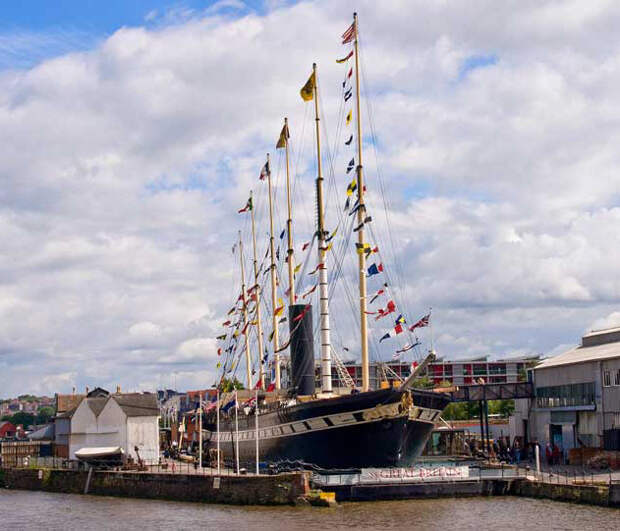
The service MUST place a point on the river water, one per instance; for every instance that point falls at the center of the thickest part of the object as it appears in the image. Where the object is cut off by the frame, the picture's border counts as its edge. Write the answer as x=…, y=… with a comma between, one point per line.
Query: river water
x=39, y=510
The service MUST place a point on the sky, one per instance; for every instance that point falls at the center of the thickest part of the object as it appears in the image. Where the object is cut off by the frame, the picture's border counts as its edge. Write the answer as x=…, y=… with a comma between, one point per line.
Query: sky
x=132, y=132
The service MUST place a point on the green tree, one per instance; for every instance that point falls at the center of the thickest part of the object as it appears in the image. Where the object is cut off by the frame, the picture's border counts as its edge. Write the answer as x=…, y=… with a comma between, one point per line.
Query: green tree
x=228, y=385
x=26, y=419
x=44, y=415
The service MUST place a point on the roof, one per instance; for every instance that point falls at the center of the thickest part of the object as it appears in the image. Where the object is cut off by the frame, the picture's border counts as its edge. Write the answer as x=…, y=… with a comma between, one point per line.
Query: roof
x=138, y=404
x=96, y=404
x=45, y=433
x=581, y=354
x=67, y=402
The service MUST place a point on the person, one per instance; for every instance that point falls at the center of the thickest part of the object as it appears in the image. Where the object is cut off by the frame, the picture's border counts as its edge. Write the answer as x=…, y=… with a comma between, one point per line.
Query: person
x=556, y=454
x=516, y=451
x=549, y=454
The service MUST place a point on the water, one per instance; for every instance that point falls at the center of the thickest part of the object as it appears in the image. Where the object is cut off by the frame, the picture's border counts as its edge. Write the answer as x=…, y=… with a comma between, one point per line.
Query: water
x=39, y=510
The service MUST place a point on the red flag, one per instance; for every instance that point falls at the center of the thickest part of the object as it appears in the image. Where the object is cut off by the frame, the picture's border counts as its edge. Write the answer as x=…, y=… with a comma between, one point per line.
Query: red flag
x=305, y=246
x=398, y=329
x=350, y=73
x=271, y=387
x=259, y=385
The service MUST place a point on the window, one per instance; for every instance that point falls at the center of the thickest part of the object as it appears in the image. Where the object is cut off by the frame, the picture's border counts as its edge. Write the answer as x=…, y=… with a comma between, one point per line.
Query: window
x=617, y=382
x=607, y=378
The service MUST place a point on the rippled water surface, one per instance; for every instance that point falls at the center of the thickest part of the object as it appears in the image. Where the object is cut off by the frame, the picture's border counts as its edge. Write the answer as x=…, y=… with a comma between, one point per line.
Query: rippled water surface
x=38, y=510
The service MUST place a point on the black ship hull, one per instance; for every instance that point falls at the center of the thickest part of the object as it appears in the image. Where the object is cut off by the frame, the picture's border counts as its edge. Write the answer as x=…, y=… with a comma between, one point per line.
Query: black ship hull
x=384, y=428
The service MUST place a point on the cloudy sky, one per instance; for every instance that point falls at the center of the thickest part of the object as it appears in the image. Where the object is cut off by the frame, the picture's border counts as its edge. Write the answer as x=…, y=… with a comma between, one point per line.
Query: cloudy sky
x=131, y=134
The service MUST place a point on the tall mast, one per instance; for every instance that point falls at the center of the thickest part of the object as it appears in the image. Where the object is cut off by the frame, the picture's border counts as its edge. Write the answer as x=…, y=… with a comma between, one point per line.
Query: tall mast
x=259, y=326
x=326, y=361
x=273, y=284
x=245, y=316
x=289, y=224
x=361, y=214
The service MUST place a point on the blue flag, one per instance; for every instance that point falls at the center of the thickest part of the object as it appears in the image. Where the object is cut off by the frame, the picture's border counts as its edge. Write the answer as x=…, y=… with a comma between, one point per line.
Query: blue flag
x=386, y=336
x=230, y=404
x=373, y=270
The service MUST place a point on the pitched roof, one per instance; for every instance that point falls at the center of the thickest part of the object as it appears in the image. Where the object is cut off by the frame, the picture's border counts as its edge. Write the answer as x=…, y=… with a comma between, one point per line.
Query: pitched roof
x=582, y=354
x=96, y=404
x=138, y=404
x=67, y=402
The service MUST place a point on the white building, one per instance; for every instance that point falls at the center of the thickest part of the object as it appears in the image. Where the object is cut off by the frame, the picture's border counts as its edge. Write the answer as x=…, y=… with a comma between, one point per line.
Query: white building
x=577, y=396
x=129, y=420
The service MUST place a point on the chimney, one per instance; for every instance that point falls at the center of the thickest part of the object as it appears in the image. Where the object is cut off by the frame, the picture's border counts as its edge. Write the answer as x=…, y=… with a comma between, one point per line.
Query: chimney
x=118, y=389
x=86, y=389
x=74, y=390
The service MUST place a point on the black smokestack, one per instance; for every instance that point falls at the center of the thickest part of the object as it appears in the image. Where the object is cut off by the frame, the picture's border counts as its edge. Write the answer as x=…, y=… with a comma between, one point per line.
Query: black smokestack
x=302, y=349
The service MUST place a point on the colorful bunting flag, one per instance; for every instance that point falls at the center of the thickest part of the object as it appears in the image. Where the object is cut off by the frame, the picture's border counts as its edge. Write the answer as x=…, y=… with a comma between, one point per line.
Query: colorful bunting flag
x=223, y=336
x=407, y=347
x=280, y=308
x=349, y=141
x=380, y=292
x=297, y=268
x=349, y=117
x=351, y=165
x=282, y=233
x=398, y=329
x=303, y=313
x=345, y=59
x=352, y=187
x=375, y=269
x=248, y=206
x=386, y=336
x=309, y=292
x=367, y=219
x=317, y=268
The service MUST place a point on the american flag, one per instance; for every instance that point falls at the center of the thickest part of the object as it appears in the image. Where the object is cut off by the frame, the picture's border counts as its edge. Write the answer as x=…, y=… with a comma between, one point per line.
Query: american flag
x=348, y=35
x=421, y=323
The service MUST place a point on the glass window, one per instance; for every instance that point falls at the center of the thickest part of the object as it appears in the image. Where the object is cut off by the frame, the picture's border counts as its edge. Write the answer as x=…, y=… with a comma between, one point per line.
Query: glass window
x=617, y=382
x=607, y=378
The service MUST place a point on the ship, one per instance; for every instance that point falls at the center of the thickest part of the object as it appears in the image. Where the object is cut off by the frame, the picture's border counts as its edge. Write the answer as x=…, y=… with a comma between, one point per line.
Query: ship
x=385, y=427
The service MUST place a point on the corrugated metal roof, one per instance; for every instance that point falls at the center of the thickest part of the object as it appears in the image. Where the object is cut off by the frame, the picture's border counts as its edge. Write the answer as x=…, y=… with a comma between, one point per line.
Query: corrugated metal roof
x=138, y=404
x=582, y=354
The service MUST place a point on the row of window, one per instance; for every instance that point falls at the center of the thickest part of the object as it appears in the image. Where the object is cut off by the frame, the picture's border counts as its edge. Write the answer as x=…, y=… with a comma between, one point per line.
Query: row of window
x=581, y=394
x=607, y=378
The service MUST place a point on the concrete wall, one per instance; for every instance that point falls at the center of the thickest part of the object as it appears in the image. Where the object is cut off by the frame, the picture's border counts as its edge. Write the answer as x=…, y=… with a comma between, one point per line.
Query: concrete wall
x=87, y=430
x=283, y=489
x=143, y=432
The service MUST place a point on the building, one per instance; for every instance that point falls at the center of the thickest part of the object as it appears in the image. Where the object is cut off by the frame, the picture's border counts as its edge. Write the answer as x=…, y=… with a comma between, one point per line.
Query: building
x=452, y=372
x=65, y=406
x=7, y=430
x=577, y=396
x=129, y=420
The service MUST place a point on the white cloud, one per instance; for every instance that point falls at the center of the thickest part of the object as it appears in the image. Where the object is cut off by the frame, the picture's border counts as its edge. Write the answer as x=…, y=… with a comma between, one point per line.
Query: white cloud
x=123, y=167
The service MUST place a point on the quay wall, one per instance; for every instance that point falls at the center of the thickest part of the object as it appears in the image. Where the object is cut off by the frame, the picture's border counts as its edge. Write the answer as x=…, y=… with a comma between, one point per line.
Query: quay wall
x=281, y=489
x=587, y=494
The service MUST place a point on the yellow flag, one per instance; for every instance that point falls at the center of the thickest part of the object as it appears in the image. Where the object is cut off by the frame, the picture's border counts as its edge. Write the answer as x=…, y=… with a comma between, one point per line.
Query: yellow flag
x=284, y=136
x=307, y=91
x=297, y=268
x=280, y=308
x=349, y=117
x=352, y=187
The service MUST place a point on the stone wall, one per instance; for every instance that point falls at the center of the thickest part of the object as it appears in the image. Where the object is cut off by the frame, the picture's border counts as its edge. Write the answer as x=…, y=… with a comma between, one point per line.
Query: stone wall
x=283, y=489
x=591, y=495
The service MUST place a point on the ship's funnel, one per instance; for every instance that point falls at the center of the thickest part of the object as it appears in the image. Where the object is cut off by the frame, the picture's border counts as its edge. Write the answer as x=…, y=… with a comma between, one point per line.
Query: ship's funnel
x=302, y=349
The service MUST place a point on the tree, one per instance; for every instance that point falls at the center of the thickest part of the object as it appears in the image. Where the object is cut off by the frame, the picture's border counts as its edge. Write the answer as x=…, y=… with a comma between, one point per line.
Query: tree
x=228, y=385
x=26, y=419
x=44, y=415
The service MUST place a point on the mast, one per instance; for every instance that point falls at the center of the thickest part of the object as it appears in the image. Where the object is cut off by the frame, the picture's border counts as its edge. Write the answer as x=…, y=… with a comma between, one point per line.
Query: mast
x=273, y=284
x=259, y=326
x=245, y=316
x=289, y=224
x=326, y=362
x=361, y=214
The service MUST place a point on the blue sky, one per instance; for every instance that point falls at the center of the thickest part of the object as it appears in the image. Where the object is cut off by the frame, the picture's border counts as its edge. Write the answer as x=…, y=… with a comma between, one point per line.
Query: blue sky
x=36, y=30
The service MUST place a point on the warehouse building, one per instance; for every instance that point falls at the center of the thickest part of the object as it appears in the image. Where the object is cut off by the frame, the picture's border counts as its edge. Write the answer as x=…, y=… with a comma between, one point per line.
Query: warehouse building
x=577, y=396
